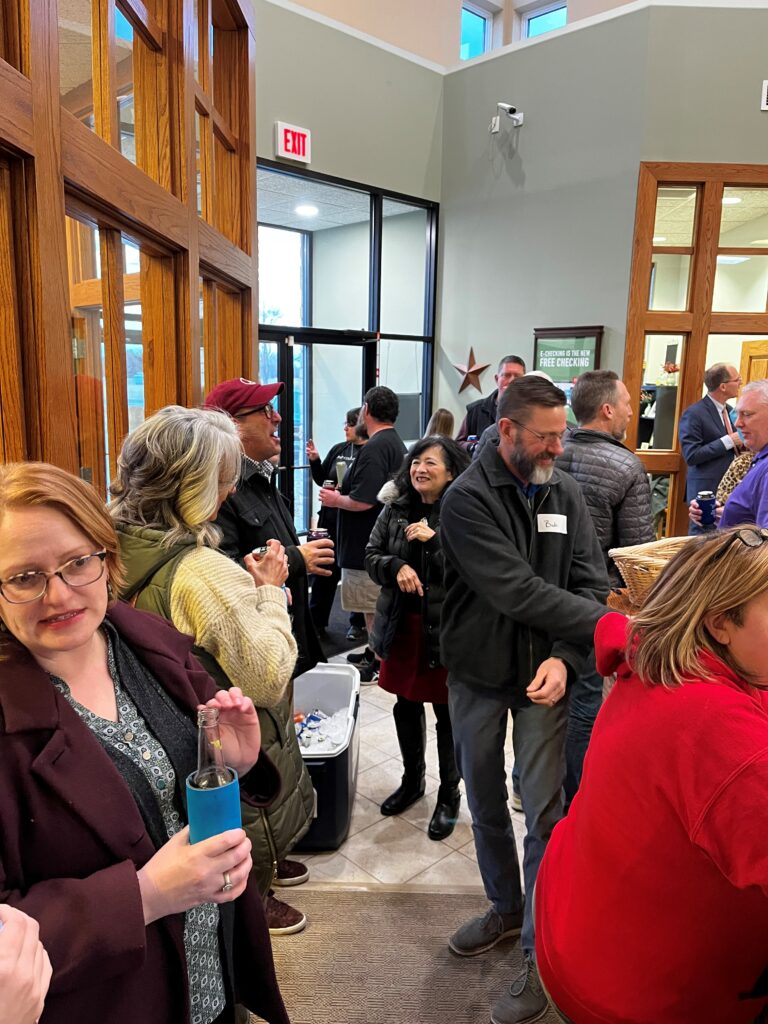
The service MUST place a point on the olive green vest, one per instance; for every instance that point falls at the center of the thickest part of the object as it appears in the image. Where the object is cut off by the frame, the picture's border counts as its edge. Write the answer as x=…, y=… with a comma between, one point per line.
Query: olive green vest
x=150, y=569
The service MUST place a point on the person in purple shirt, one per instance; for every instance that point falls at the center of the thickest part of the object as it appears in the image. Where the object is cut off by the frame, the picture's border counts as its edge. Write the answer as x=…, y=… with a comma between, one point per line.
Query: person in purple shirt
x=748, y=502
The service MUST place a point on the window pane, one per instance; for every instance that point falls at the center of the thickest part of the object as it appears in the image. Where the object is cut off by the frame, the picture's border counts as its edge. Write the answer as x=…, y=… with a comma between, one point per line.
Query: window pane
x=748, y=353
x=660, y=391
x=400, y=368
x=88, y=353
x=198, y=164
x=75, y=56
x=473, y=34
x=669, y=281
x=337, y=385
x=540, y=23
x=744, y=220
x=741, y=284
x=125, y=94
x=675, y=215
x=268, y=364
x=337, y=224
x=660, y=501
x=403, y=268
x=281, y=277
x=134, y=344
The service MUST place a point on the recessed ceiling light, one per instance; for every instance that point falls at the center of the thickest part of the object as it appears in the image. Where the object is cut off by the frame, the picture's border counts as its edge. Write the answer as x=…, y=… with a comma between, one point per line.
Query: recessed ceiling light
x=732, y=260
x=658, y=239
x=306, y=210
x=760, y=241
x=731, y=200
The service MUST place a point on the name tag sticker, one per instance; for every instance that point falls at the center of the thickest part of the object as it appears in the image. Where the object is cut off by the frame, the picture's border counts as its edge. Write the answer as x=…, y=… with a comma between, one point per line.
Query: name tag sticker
x=552, y=523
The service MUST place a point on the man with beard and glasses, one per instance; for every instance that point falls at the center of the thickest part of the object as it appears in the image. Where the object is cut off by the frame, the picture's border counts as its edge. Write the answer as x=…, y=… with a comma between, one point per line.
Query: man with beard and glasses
x=525, y=581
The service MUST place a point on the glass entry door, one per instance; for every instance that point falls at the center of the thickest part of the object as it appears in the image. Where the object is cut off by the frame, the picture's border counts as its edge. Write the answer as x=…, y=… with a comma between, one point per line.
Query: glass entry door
x=323, y=380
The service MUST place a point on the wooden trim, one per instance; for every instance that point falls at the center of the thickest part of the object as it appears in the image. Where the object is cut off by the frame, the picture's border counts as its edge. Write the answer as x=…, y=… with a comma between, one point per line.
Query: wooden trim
x=224, y=258
x=89, y=294
x=659, y=321
x=107, y=181
x=49, y=386
x=739, y=323
x=691, y=174
x=672, y=250
x=660, y=462
x=142, y=22
x=113, y=305
x=202, y=101
x=104, y=72
x=16, y=128
x=12, y=443
x=732, y=250
x=158, y=330
x=222, y=131
x=640, y=282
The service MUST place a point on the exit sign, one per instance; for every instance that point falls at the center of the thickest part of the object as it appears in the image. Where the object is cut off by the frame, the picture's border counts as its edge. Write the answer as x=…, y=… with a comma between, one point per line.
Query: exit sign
x=292, y=142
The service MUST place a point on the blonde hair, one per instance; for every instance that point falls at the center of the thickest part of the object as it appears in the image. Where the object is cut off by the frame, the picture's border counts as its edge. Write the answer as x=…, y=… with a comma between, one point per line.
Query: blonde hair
x=41, y=485
x=715, y=575
x=170, y=471
x=441, y=422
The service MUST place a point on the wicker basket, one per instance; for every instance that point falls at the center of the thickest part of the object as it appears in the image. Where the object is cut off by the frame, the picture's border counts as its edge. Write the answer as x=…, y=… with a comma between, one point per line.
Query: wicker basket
x=640, y=564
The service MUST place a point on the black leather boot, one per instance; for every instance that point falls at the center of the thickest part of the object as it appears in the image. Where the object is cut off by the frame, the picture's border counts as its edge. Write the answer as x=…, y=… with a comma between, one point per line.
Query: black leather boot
x=446, y=812
x=448, y=797
x=410, y=723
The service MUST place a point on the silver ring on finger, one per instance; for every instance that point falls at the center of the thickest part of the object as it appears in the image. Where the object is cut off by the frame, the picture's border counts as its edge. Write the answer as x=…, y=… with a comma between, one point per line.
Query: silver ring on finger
x=227, y=883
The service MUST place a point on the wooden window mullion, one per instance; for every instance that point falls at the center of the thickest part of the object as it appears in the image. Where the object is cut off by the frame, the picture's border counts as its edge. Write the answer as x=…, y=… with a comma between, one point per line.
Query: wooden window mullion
x=113, y=304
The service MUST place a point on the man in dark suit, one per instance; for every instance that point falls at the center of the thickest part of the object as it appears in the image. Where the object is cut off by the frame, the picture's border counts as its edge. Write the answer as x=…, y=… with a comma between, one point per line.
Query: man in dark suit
x=707, y=437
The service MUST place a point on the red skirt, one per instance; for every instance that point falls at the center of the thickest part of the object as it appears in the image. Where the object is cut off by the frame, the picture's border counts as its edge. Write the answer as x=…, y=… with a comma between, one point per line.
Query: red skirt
x=406, y=671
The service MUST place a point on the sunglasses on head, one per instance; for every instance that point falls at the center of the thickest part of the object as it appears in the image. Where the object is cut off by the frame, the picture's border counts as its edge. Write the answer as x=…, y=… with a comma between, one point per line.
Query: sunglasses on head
x=751, y=536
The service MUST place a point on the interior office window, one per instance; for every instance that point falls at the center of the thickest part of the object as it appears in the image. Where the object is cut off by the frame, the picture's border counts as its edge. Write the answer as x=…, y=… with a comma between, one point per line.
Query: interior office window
x=741, y=274
x=403, y=267
x=546, y=20
x=75, y=60
x=475, y=32
x=282, y=276
x=124, y=42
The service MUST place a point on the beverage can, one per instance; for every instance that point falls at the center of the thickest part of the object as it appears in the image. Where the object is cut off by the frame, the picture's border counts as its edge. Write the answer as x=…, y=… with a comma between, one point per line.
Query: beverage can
x=317, y=534
x=330, y=484
x=706, y=502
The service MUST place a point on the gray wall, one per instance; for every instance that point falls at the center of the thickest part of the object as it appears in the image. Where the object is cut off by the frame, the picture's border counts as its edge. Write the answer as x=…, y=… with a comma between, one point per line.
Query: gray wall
x=536, y=222
x=375, y=118
x=536, y=226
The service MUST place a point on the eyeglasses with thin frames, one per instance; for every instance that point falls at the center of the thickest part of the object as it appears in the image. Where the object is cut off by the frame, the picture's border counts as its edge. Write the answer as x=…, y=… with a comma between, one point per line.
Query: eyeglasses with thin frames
x=77, y=572
x=269, y=411
x=751, y=536
x=550, y=438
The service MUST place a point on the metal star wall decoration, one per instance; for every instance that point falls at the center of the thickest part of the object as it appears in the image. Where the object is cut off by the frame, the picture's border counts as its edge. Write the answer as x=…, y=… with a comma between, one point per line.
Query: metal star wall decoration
x=471, y=372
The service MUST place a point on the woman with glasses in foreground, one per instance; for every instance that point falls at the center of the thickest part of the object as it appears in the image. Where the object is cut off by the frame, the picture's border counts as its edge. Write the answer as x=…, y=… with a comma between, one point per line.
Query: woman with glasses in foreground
x=652, y=899
x=98, y=732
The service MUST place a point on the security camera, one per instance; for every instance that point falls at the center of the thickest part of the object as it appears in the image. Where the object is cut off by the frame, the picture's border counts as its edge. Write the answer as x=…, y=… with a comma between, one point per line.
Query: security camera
x=512, y=114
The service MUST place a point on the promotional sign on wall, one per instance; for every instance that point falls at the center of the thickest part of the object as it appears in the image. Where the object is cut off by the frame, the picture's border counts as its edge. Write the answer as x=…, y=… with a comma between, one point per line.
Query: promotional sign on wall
x=564, y=353
x=292, y=142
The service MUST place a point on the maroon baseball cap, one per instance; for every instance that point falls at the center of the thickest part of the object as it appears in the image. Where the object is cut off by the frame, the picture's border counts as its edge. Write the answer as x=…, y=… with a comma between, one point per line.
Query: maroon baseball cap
x=239, y=393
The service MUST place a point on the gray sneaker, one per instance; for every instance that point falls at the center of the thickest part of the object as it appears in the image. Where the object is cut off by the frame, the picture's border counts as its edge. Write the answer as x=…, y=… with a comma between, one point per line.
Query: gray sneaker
x=482, y=933
x=524, y=1001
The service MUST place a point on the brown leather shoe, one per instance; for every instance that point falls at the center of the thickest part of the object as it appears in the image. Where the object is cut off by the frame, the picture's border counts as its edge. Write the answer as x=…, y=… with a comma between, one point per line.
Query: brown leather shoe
x=290, y=872
x=282, y=919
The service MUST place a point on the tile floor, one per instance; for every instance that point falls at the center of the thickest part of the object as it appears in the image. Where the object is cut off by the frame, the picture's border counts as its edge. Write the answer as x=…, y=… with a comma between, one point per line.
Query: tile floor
x=397, y=850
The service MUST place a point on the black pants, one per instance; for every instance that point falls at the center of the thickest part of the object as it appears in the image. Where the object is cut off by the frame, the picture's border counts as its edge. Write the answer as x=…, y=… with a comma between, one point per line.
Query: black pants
x=322, y=597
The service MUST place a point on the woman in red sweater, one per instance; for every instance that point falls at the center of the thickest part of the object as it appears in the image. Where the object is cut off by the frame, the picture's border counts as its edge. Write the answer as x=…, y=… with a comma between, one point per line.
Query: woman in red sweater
x=652, y=898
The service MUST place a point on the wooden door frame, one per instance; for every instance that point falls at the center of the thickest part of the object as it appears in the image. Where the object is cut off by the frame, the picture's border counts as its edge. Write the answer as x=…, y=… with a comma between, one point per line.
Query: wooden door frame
x=697, y=322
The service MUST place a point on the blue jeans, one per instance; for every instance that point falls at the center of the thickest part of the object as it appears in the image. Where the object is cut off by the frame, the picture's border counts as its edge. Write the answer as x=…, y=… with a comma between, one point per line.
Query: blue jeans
x=584, y=702
x=479, y=719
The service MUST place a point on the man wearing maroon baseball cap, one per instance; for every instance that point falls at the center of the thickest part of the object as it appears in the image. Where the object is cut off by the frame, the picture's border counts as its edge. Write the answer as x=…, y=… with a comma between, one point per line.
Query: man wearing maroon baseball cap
x=255, y=514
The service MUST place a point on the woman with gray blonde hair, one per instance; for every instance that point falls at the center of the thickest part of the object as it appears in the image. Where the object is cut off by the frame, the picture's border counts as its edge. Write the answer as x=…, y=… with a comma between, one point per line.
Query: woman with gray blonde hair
x=173, y=473
x=664, y=848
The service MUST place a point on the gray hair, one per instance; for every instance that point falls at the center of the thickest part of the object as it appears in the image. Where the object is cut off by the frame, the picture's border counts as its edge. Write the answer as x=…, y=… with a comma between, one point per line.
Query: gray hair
x=170, y=471
x=517, y=360
x=756, y=387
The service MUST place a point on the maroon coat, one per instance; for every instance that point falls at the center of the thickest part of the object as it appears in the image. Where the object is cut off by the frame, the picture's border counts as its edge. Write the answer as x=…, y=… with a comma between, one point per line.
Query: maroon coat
x=72, y=839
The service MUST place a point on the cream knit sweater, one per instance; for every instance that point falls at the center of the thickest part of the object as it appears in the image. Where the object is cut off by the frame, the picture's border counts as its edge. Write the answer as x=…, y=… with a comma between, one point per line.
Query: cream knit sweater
x=244, y=627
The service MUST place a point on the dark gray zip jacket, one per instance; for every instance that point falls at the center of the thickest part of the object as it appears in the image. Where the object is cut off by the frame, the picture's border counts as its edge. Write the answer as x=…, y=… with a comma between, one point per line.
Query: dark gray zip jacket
x=615, y=488
x=517, y=590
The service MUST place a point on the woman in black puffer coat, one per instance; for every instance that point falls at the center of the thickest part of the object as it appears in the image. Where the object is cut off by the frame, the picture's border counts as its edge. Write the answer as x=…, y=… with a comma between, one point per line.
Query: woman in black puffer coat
x=404, y=556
